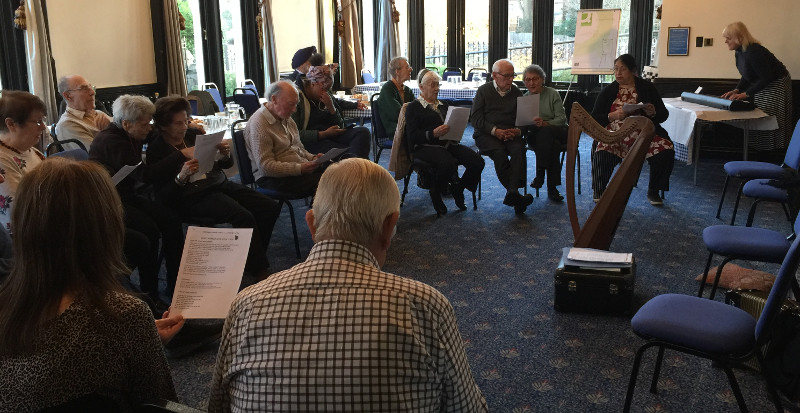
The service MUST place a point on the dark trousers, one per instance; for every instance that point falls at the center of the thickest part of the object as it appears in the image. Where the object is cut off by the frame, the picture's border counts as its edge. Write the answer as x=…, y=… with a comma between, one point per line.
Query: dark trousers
x=508, y=157
x=303, y=184
x=547, y=142
x=241, y=207
x=356, y=140
x=447, y=160
x=154, y=221
x=603, y=164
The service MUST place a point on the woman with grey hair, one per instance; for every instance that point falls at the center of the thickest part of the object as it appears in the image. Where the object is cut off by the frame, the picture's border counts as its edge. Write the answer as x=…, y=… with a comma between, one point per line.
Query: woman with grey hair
x=548, y=134
x=394, y=94
x=424, y=128
x=120, y=144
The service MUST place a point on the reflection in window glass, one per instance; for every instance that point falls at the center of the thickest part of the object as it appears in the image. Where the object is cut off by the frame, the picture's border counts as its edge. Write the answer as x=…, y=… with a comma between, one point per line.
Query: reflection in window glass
x=192, y=41
x=435, y=34
x=402, y=26
x=520, y=33
x=565, y=14
x=476, y=34
x=230, y=16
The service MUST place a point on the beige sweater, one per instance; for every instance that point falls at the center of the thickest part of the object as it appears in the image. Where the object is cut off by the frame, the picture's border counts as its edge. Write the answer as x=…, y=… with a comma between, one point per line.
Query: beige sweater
x=274, y=145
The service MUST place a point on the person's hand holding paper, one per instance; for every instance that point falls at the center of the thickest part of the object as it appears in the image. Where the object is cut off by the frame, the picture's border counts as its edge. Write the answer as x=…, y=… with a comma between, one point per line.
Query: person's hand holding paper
x=205, y=150
x=527, y=110
x=456, y=119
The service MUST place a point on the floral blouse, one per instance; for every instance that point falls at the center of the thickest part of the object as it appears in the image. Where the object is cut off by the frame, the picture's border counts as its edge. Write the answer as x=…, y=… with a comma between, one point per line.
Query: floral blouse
x=13, y=166
x=621, y=148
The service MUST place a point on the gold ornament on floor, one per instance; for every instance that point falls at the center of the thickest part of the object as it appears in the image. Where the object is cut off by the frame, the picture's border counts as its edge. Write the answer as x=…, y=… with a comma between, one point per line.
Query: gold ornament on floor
x=19, y=16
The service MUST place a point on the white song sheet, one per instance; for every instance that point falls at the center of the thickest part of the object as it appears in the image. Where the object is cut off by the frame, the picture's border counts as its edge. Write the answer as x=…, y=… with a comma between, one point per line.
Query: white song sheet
x=457, y=118
x=205, y=150
x=123, y=172
x=211, y=271
x=527, y=110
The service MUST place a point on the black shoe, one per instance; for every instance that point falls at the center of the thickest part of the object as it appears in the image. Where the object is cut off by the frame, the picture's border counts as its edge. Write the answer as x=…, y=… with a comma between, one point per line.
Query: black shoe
x=192, y=337
x=512, y=198
x=438, y=204
x=537, y=182
x=654, y=198
x=554, y=195
x=522, y=203
x=458, y=196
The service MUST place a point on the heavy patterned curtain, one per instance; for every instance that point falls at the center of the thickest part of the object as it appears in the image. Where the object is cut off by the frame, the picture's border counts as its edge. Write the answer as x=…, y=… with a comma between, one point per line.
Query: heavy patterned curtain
x=388, y=41
x=41, y=76
x=176, y=72
x=268, y=38
x=352, y=61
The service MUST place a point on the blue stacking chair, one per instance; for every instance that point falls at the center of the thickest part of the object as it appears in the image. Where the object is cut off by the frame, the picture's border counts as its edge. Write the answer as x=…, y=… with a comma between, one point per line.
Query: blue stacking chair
x=214, y=91
x=762, y=191
x=249, y=84
x=367, y=76
x=248, y=179
x=380, y=139
x=743, y=243
x=247, y=99
x=710, y=329
x=749, y=170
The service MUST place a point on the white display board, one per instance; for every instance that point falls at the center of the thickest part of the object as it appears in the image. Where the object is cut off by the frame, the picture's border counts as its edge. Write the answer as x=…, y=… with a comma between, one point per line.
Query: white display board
x=596, y=34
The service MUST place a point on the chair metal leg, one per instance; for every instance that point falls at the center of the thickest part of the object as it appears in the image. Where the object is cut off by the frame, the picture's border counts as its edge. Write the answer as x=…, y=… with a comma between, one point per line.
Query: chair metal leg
x=722, y=198
x=735, y=387
x=479, y=189
x=736, y=204
x=752, y=214
x=657, y=370
x=634, y=374
x=705, y=275
x=474, y=202
x=405, y=188
x=294, y=229
x=719, y=273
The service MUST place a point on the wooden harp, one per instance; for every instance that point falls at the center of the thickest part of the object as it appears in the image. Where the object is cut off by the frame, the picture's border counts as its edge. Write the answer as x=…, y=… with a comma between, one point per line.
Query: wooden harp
x=601, y=225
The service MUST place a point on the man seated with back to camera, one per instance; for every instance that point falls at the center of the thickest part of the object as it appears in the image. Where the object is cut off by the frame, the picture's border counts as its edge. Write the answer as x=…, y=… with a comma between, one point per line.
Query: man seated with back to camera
x=336, y=333
x=278, y=157
x=319, y=117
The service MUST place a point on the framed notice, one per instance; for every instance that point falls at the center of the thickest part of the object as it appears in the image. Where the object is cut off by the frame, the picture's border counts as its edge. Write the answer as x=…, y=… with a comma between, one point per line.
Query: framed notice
x=678, y=41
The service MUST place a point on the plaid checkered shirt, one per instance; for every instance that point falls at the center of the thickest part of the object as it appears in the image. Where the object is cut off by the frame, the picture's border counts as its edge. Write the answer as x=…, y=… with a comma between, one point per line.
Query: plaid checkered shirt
x=337, y=334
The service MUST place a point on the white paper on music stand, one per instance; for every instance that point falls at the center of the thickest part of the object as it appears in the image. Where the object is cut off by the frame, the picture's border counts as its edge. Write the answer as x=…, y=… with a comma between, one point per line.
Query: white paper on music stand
x=123, y=172
x=527, y=110
x=457, y=118
x=205, y=150
x=211, y=271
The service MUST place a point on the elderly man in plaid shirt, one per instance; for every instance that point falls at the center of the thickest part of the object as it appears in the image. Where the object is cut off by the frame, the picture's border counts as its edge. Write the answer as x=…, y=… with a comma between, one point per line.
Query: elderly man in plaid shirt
x=337, y=334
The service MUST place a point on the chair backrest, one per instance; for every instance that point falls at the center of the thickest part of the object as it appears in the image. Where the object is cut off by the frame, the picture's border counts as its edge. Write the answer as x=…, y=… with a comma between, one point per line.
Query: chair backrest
x=214, y=91
x=780, y=289
x=246, y=98
x=207, y=105
x=242, y=158
x=196, y=105
x=378, y=131
x=792, y=158
x=60, y=145
x=367, y=76
x=433, y=68
x=76, y=154
x=452, y=71
x=249, y=84
x=479, y=70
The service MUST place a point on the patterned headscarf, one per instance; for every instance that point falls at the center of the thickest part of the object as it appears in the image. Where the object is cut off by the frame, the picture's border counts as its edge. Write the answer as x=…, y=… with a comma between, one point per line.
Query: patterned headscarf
x=322, y=74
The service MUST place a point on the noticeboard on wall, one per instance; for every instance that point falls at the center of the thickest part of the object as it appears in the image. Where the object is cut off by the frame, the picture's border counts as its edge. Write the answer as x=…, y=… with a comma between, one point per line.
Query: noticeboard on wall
x=678, y=41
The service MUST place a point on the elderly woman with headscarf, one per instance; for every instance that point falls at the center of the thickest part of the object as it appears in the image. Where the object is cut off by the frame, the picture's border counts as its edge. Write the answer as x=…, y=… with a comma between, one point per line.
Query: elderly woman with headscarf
x=319, y=117
x=394, y=93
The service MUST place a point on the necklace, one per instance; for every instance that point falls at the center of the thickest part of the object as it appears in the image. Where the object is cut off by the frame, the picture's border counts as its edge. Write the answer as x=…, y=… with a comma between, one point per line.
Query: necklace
x=7, y=146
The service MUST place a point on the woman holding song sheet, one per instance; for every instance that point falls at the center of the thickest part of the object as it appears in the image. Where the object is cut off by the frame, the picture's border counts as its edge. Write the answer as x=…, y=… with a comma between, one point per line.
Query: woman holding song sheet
x=424, y=128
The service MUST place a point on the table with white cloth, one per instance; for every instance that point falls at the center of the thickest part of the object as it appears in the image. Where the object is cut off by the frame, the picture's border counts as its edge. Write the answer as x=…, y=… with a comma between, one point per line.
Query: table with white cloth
x=447, y=90
x=680, y=125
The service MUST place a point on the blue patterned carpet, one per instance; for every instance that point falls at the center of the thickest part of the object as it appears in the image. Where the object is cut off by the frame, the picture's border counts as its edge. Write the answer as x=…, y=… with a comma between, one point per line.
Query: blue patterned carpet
x=497, y=270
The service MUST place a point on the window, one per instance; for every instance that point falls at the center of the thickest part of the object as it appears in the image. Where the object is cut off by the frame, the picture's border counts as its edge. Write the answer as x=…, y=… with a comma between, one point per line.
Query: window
x=368, y=43
x=402, y=26
x=520, y=33
x=435, y=34
x=656, y=29
x=295, y=28
x=230, y=17
x=192, y=40
x=476, y=34
x=565, y=14
x=624, y=30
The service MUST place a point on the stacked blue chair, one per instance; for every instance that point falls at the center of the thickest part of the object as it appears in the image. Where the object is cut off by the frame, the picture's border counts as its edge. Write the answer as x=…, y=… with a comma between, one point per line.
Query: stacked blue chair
x=249, y=84
x=214, y=91
x=367, y=76
x=247, y=99
x=710, y=329
x=749, y=170
x=743, y=243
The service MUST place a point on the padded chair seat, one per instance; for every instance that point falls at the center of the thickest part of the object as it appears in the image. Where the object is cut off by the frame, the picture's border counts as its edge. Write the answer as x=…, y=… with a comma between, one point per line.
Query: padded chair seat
x=698, y=323
x=747, y=243
x=759, y=188
x=752, y=169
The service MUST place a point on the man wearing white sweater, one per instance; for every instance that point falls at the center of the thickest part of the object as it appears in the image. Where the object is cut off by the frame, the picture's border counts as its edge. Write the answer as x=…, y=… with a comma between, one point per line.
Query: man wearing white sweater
x=273, y=144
